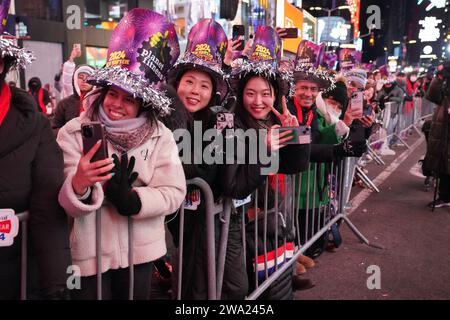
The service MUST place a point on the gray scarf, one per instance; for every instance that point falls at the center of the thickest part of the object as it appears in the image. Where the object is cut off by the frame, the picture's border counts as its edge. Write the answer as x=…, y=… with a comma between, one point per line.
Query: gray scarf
x=127, y=134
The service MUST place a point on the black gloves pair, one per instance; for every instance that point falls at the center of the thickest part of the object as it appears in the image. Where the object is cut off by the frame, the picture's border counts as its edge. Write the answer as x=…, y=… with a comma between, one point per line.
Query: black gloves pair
x=118, y=188
x=350, y=149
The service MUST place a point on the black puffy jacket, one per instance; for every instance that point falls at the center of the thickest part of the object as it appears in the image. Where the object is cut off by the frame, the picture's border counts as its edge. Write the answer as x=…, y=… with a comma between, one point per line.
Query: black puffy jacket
x=31, y=174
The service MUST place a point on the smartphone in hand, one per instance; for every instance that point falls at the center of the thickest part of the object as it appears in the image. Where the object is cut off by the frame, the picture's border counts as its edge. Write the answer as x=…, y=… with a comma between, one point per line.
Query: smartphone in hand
x=356, y=104
x=291, y=33
x=239, y=31
x=91, y=133
x=299, y=135
x=367, y=111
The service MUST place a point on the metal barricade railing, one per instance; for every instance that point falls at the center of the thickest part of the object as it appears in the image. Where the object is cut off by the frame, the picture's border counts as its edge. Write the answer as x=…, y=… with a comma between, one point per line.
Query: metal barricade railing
x=285, y=211
x=396, y=125
x=211, y=210
x=23, y=219
x=325, y=213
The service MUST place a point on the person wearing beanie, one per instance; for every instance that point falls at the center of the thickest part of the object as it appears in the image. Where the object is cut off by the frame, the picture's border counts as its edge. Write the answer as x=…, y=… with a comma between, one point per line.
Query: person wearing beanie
x=31, y=176
x=332, y=105
x=72, y=106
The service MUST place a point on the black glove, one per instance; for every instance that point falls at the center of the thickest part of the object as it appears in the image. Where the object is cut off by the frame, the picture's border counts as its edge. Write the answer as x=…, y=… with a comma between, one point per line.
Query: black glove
x=350, y=149
x=118, y=188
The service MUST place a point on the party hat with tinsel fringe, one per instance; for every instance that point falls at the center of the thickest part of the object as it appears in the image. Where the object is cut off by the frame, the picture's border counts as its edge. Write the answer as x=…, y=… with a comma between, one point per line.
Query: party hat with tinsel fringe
x=142, y=49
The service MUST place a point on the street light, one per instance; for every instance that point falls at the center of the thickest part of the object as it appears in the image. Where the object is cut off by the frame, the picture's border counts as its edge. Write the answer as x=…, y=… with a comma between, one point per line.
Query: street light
x=329, y=10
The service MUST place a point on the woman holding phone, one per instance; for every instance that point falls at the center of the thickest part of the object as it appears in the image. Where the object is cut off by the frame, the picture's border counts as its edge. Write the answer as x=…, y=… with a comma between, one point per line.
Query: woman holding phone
x=261, y=105
x=198, y=79
x=144, y=179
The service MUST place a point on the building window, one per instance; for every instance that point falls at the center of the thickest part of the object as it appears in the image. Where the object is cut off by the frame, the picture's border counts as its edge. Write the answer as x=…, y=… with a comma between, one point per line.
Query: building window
x=105, y=14
x=40, y=9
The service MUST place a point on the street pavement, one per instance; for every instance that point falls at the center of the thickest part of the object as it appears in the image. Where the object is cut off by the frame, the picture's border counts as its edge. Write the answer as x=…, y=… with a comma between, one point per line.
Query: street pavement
x=415, y=261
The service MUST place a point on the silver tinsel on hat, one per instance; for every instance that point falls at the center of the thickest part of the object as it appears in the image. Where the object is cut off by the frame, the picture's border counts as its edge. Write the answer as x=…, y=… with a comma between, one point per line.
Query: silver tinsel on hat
x=241, y=68
x=265, y=68
x=22, y=57
x=135, y=84
x=193, y=59
x=313, y=73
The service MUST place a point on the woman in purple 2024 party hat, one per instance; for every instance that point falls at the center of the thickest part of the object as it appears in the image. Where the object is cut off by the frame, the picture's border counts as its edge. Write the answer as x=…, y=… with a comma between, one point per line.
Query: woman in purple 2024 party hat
x=199, y=82
x=260, y=87
x=144, y=179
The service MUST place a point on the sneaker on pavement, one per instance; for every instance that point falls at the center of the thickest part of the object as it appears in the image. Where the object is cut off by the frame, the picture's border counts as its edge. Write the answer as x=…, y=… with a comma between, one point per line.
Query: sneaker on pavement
x=439, y=203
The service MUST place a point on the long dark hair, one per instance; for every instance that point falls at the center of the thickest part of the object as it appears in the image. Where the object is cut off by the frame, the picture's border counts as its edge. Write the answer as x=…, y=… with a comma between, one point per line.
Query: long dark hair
x=242, y=113
x=92, y=112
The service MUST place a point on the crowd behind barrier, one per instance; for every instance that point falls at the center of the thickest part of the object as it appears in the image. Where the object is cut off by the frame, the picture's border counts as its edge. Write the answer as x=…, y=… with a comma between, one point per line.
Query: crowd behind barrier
x=267, y=266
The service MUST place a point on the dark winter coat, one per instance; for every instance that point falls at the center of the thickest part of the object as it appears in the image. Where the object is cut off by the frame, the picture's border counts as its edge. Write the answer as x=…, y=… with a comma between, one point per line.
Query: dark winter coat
x=194, y=281
x=31, y=174
x=437, y=158
x=393, y=94
x=40, y=105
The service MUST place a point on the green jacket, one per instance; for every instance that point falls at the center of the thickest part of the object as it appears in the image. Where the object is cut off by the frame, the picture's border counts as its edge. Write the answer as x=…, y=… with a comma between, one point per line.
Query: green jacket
x=307, y=178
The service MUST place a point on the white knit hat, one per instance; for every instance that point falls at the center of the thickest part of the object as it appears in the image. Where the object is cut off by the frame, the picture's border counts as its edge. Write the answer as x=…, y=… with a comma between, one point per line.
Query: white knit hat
x=359, y=76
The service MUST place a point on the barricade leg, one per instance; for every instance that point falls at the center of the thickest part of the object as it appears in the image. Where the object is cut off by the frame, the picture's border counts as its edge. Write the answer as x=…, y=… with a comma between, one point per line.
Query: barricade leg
x=98, y=248
x=130, y=259
x=360, y=173
x=375, y=156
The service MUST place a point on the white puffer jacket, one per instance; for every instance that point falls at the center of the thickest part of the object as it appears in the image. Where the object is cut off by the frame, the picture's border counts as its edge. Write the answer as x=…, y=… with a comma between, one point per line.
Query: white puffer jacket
x=161, y=187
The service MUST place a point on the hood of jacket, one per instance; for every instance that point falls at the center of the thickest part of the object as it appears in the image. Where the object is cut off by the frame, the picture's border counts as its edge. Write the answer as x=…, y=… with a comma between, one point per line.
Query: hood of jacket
x=82, y=68
x=37, y=80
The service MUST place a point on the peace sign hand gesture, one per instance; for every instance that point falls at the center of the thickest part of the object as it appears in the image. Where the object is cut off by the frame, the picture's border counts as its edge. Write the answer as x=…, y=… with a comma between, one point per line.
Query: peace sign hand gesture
x=286, y=118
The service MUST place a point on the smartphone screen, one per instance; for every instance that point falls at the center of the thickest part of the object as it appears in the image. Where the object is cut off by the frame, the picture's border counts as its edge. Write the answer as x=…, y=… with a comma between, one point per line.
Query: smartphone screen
x=367, y=111
x=239, y=31
x=356, y=104
x=91, y=133
x=299, y=135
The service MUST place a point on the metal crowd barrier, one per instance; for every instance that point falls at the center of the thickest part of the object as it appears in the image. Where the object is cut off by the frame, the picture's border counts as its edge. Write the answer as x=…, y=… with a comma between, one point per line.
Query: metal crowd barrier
x=396, y=121
x=285, y=208
x=211, y=210
x=23, y=220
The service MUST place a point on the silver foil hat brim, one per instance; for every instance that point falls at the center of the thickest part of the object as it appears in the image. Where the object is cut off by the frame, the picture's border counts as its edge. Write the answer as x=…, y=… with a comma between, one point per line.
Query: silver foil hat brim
x=135, y=84
x=21, y=57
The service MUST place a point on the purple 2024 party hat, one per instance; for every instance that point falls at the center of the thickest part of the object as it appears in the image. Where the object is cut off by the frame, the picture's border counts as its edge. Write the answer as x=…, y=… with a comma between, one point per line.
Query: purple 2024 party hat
x=264, y=60
x=329, y=60
x=308, y=65
x=349, y=58
x=309, y=55
x=205, y=50
x=142, y=49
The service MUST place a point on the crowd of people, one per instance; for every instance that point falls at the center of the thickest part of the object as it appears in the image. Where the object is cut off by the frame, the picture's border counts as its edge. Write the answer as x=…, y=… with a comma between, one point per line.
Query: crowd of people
x=143, y=96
